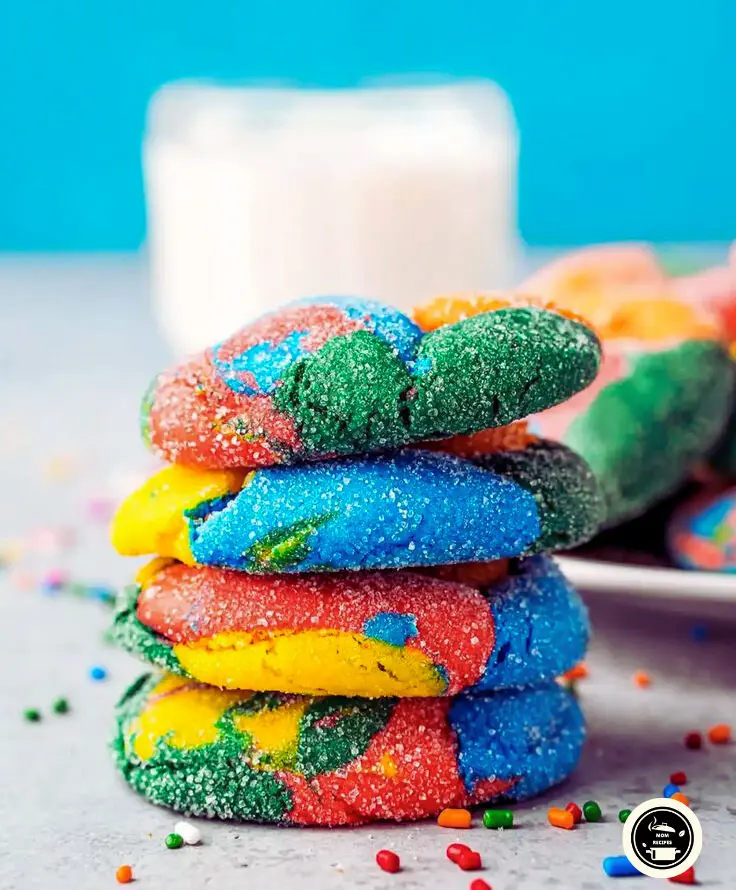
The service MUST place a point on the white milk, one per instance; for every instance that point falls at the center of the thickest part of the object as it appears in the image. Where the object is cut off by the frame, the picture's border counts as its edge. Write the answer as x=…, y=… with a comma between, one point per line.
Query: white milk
x=257, y=197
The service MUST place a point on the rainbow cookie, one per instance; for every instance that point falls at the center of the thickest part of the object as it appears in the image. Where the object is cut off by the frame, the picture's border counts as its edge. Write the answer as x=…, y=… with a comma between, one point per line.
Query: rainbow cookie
x=702, y=534
x=663, y=393
x=366, y=634
x=409, y=508
x=268, y=757
x=337, y=376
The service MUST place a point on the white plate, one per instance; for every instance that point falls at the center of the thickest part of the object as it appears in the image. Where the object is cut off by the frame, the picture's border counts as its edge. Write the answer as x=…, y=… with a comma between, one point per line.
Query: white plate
x=676, y=589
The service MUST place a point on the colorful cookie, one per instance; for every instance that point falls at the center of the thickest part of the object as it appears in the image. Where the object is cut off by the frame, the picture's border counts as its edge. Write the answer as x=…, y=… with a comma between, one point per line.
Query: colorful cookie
x=662, y=396
x=366, y=634
x=702, y=534
x=268, y=757
x=345, y=376
x=409, y=508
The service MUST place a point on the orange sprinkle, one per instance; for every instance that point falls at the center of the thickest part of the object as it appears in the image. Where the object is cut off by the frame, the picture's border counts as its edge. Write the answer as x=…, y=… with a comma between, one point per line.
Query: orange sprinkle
x=579, y=672
x=719, y=734
x=642, y=678
x=450, y=818
x=124, y=875
x=683, y=798
x=560, y=818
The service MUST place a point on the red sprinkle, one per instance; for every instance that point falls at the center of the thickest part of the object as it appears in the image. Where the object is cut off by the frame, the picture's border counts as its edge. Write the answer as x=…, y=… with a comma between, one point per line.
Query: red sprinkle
x=577, y=813
x=455, y=851
x=687, y=877
x=470, y=861
x=480, y=884
x=693, y=741
x=388, y=861
x=679, y=778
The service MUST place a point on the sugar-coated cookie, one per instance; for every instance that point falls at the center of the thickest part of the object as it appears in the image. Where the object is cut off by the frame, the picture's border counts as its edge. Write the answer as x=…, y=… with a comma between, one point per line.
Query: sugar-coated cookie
x=368, y=634
x=337, y=376
x=268, y=757
x=662, y=397
x=408, y=508
x=702, y=534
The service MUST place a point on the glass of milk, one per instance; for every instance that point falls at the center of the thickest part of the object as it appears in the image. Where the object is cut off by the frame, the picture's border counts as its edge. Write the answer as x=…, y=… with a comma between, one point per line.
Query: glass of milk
x=260, y=196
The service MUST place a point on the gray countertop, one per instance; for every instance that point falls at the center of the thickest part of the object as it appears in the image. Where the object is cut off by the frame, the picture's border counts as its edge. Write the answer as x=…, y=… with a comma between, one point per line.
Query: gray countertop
x=77, y=348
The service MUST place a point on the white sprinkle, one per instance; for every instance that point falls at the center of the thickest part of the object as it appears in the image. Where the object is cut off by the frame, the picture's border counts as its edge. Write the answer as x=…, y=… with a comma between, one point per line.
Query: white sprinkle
x=190, y=833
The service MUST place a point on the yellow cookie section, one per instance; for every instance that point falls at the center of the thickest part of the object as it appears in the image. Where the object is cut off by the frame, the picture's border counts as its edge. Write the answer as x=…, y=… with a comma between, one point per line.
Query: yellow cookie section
x=152, y=519
x=275, y=731
x=310, y=662
x=185, y=714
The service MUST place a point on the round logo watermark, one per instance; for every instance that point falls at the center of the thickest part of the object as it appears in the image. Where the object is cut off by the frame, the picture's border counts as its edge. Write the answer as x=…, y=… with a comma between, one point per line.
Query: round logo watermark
x=662, y=837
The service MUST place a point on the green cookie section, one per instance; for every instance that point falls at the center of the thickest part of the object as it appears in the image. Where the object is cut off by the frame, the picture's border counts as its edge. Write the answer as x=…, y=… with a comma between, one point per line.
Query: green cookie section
x=483, y=372
x=566, y=490
x=644, y=434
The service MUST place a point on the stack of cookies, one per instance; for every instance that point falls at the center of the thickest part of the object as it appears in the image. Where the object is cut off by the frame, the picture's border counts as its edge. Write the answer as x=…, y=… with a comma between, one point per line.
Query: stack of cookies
x=351, y=612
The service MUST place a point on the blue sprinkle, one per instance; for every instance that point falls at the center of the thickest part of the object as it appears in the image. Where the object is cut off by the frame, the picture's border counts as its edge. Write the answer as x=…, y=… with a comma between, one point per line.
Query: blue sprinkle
x=670, y=789
x=102, y=593
x=391, y=627
x=699, y=632
x=98, y=673
x=620, y=867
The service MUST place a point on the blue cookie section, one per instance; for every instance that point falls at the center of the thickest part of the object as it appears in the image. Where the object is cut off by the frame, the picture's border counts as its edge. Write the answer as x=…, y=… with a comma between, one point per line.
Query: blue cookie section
x=541, y=624
x=391, y=627
x=535, y=735
x=411, y=508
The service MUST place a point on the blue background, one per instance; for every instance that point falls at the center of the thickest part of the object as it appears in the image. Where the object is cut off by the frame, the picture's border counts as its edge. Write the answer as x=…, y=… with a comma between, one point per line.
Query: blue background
x=627, y=110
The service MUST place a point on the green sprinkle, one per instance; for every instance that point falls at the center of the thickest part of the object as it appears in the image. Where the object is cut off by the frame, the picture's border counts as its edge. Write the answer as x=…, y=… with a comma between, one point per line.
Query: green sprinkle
x=60, y=706
x=623, y=815
x=174, y=841
x=591, y=811
x=498, y=819
x=32, y=715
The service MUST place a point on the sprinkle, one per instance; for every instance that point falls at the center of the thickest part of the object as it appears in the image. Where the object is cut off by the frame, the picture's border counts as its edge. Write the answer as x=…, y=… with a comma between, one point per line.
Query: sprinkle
x=388, y=861
x=470, y=861
x=452, y=818
x=32, y=715
x=480, y=884
x=579, y=672
x=669, y=790
x=623, y=815
x=679, y=778
x=620, y=867
x=190, y=834
x=720, y=734
x=498, y=819
x=683, y=798
x=60, y=706
x=54, y=580
x=577, y=813
x=100, y=509
x=687, y=877
x=699, y=632
x=560, y=818
x=124, y=875
x=591, y=811
x=694, y=741
x=23, y=580
x=454, y=851
x=174, y=841
x=98, y=672
x=642, y=679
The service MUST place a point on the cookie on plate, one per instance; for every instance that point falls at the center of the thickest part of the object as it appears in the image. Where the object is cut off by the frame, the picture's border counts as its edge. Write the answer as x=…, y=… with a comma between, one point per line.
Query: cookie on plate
x=702, y=533
x=269, y=757
x=408, y=508
x=368, y=634
x=339, y=376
